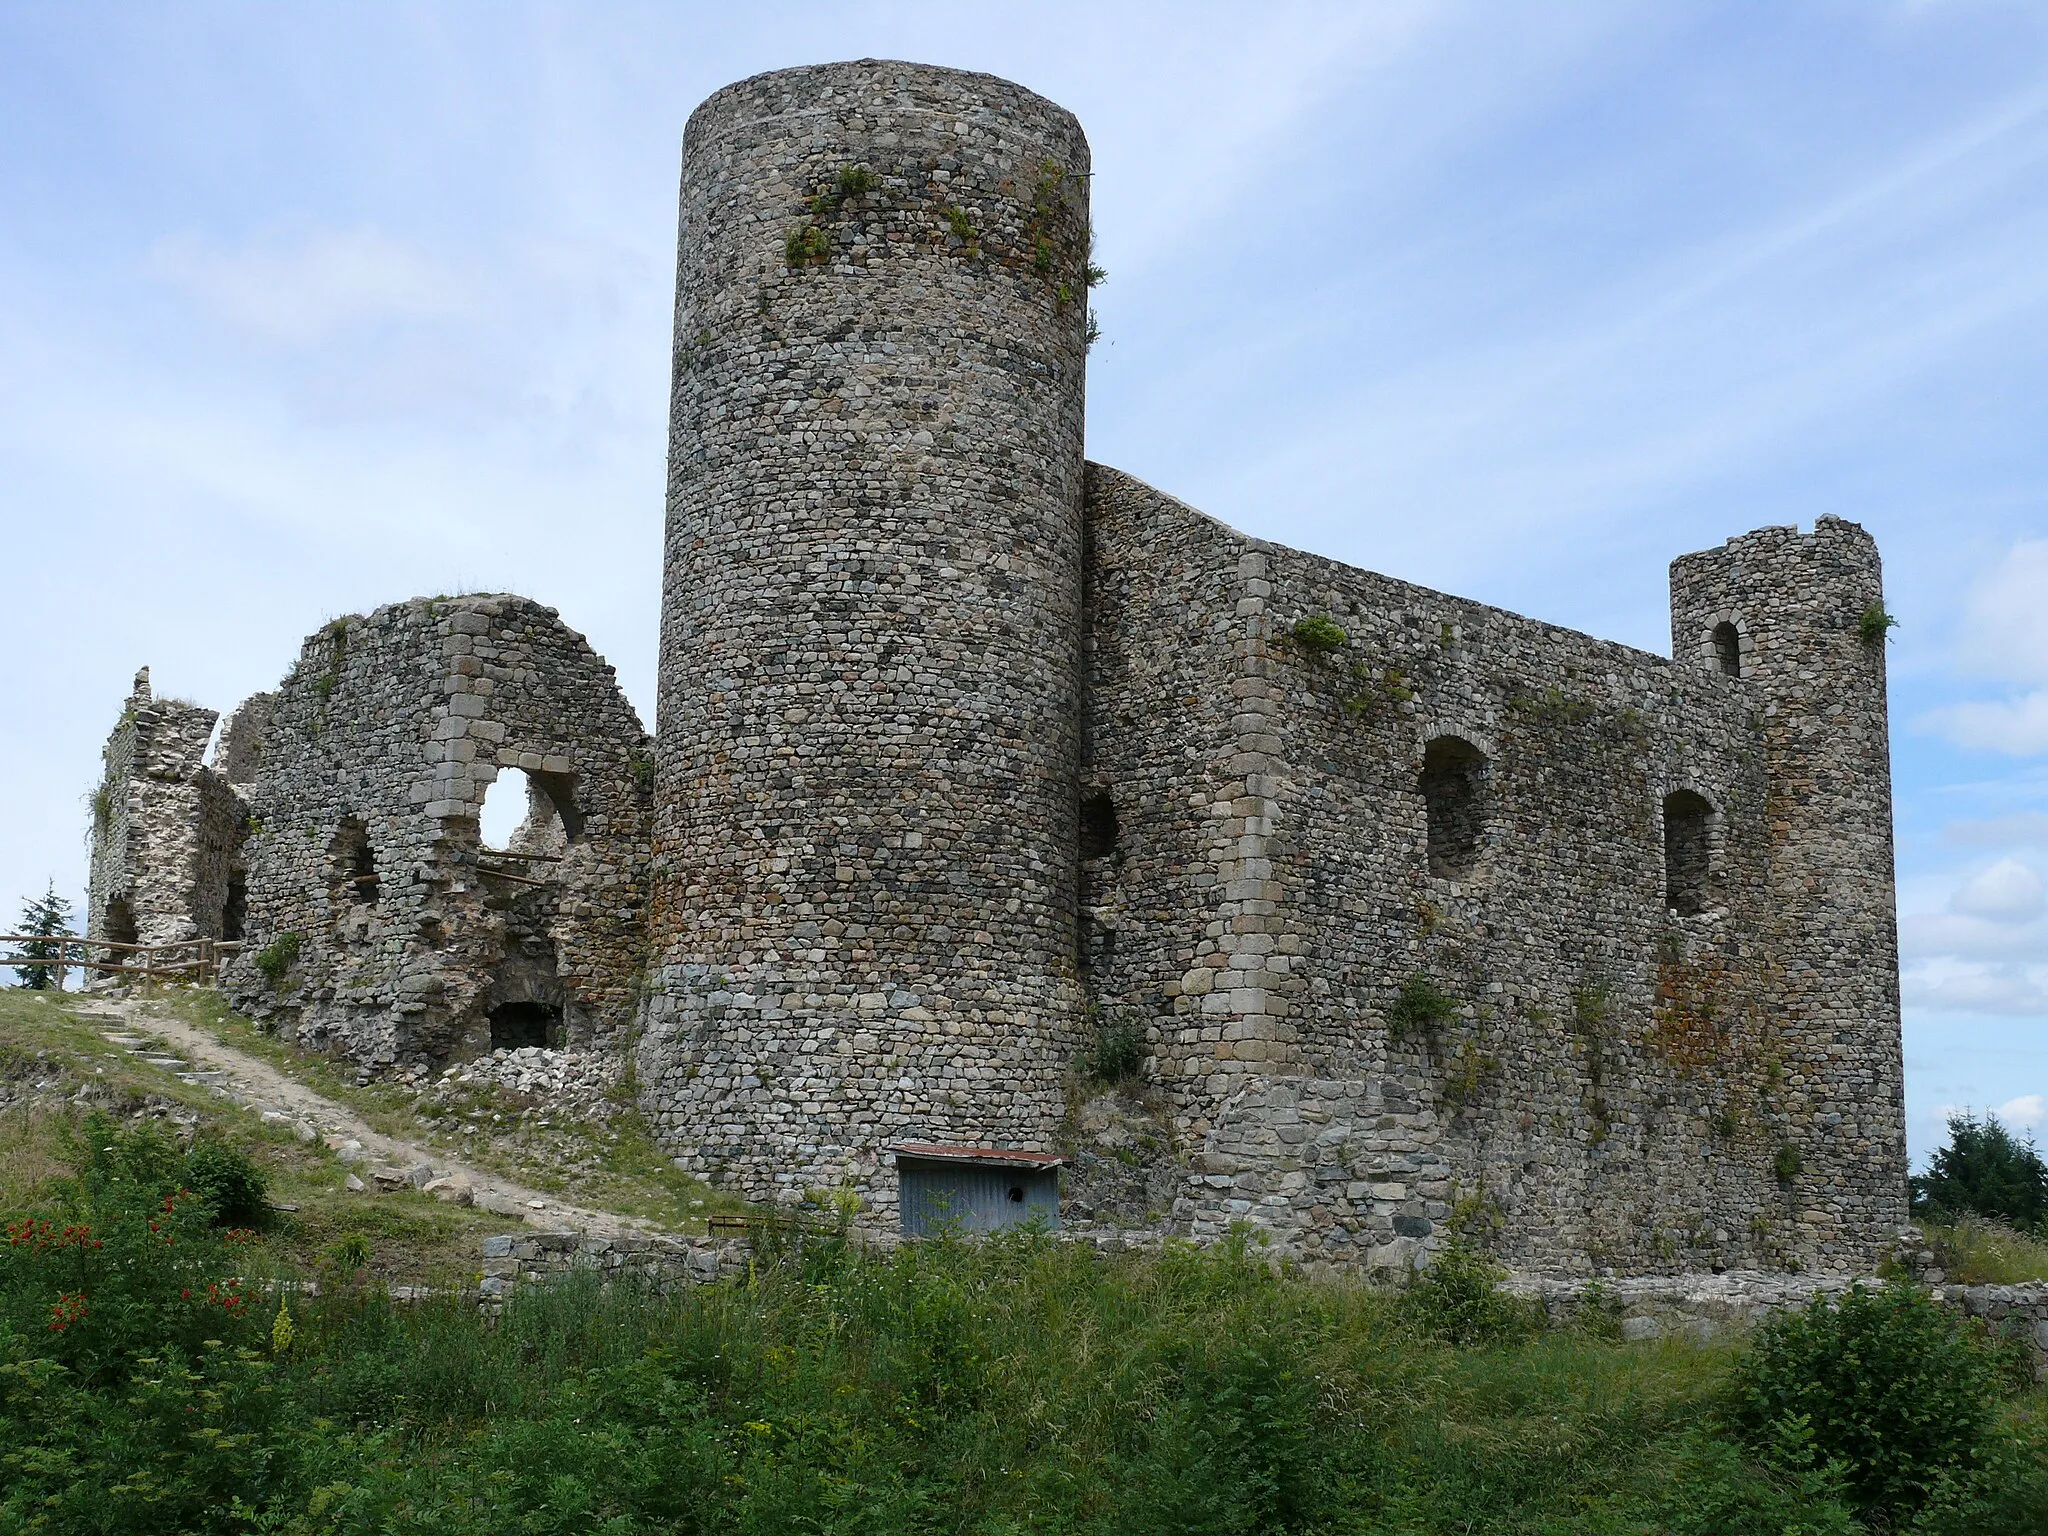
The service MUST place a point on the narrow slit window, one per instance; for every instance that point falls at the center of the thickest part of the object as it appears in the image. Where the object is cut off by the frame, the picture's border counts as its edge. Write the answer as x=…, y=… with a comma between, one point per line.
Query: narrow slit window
x=1453, y=791
x=1098, y=824
x=1728, y=648
x=1688, y=851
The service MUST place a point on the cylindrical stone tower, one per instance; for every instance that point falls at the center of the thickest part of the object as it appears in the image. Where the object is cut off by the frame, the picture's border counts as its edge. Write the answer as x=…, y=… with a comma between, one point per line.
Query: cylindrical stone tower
x=865, y=827
x=1801, y=618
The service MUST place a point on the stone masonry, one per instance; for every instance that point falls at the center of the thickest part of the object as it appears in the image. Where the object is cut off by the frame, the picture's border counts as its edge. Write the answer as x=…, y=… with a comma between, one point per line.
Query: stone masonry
x=871, y=625
x=167, y=826
x=1425, y=919
x=389, y=931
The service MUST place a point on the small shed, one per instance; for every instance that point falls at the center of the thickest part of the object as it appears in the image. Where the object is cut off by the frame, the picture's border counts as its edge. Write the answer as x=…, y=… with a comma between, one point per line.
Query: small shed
x=975, y=1189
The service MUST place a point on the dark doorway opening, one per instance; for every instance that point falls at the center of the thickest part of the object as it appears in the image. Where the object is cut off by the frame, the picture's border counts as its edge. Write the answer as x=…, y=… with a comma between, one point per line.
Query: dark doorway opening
x=514, y=1025
x=234, y=912
x=1728, y=648
x=119, y=927
x=1688, y=851
x=355, y=865
x=1453, y=785
x=1098, y=824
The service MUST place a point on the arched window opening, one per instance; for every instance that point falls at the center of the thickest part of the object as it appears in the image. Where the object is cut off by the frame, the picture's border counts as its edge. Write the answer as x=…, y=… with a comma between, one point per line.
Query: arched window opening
x=1728, y=648
x=1453, y=789
x=1688, y=851
x=1098, y=824
x=517, y=1025
x=234, y=912
x=353, y=862
x=527, y=811
x=119, y=927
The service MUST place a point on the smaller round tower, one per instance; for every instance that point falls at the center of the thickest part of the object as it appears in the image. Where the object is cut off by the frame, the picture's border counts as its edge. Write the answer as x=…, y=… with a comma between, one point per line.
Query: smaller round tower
x=869, y=712
x=1800, y=618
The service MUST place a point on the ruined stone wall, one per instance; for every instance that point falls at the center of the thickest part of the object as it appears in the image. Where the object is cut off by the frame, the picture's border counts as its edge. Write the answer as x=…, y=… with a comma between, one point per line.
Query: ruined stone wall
x=870, y=625
x=166, y=830
x=366, y=845
x=1583, y=1076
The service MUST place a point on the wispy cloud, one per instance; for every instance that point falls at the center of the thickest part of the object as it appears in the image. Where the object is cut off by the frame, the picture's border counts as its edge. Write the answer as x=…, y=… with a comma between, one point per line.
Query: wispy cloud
x=305, y=288
x=2002, y=634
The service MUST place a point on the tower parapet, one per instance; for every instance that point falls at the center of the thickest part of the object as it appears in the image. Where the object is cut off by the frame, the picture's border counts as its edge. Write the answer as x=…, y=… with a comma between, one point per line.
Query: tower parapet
x=1800, y=619
x=869, y=711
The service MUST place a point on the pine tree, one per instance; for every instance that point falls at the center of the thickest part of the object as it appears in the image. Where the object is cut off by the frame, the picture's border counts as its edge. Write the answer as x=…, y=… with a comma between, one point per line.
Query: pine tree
x=1985, y=1170
x=48, y=917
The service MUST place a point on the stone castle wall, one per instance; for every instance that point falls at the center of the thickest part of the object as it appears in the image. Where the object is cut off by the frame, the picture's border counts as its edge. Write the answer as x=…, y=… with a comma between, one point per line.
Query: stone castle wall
x=1614, y=1084
x=870, y=625
x=410, y=934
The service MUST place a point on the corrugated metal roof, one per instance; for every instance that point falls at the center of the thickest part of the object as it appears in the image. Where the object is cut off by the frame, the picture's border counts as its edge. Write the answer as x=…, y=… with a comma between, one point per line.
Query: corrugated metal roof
x=987, y=1157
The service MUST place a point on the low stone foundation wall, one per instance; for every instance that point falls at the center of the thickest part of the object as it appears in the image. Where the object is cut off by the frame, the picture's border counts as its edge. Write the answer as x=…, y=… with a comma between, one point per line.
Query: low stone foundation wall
x=1706, y=1307
x=539, y=1257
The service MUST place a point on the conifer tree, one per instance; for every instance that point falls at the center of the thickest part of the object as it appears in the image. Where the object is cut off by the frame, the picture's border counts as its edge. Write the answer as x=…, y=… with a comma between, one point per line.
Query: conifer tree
x=49, y=917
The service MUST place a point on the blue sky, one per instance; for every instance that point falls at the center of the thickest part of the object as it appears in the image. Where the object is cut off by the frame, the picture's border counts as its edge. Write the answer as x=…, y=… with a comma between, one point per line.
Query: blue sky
x=305, y=308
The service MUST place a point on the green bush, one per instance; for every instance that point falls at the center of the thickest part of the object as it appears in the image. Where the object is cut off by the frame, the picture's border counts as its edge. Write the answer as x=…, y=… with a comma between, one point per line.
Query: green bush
x=229, y=1183
x=275, y=959
x=1319, y=633
x=1420, y=1008
x=1458, y=1299
x=1119, y=1053
x=1886, y=1386
x=1873, y=624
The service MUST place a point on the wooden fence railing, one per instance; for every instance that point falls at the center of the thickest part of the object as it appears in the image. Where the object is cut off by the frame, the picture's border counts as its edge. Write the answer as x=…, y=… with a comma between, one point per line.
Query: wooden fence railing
x=185, y=960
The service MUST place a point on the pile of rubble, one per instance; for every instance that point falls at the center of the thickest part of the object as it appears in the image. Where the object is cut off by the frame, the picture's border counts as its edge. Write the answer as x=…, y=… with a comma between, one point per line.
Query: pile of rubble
x=579, y=1085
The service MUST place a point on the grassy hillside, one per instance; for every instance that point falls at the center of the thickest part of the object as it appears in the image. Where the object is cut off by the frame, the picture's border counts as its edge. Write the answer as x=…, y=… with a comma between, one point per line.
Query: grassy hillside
x=56, y=1067
x=163, y=1371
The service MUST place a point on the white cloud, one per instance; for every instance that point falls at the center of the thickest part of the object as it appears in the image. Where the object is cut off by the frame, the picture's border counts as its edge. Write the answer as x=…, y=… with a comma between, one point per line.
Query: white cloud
x=304, y=290
x=2004, y=628
x=2003, y=635
x=2017, y=727
x=2025, y=1113
x=1947, y=984
x=2007, y=892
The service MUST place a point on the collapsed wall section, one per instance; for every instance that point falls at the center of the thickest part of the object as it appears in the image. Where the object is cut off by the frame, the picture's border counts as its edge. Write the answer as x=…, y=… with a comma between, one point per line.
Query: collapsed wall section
x=379, y=924
x=870, y=626
x=1438, y=919
x=167, y=828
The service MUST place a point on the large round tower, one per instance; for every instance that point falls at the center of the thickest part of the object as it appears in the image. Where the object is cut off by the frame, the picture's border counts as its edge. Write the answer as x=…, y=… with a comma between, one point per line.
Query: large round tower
x=865, y=788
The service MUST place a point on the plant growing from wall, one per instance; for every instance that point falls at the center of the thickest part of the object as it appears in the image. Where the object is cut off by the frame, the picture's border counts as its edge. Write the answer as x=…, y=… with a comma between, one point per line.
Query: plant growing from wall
x=1466, y=1074
x=1375, y=696
x=806, y=245
x=101, y=801
x=1318, y=634
x=1420, y=1008
x=1552, y=707
x=275, y=959
x=1787, y=1163
x=1873, y=625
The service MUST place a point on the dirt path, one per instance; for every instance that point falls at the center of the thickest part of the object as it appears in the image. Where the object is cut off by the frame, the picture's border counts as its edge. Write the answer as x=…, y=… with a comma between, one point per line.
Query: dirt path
x=376, y=1159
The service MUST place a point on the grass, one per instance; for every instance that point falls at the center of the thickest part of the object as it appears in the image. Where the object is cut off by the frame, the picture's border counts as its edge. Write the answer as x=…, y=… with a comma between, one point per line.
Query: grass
x=1975, y=1251
x=1019, y=1384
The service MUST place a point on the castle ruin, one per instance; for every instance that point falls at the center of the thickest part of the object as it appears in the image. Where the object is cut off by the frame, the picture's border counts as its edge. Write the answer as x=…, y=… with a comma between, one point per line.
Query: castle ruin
x=971, y=755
